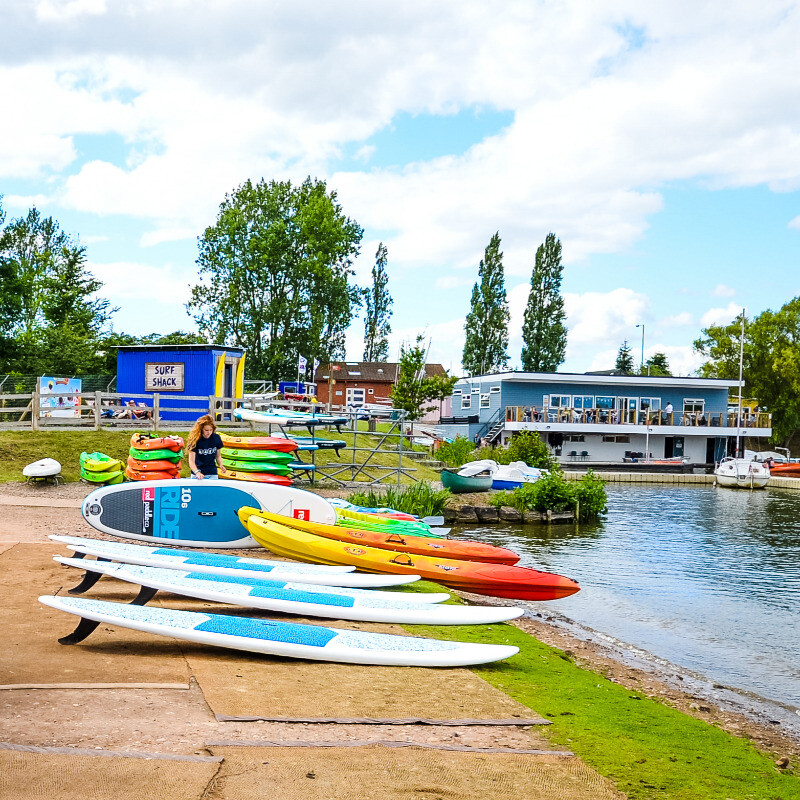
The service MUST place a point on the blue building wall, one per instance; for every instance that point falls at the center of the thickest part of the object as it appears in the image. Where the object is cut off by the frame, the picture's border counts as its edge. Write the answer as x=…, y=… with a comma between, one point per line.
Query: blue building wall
x=200, y=372
x=519, y=393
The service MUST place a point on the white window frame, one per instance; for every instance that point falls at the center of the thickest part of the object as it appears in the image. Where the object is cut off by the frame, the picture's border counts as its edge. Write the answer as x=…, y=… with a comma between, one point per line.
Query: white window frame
x=494, y=390
x=466, y=401
x=485, y=402
x=610, y=406
x=694, y=402
x=560, y=398
x=578, y=401
x=654, y=403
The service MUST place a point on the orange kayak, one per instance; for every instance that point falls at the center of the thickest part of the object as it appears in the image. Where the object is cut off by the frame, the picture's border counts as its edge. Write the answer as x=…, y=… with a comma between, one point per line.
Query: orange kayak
x=259, y=443
x=256, y=477
x=790, y=470
x=157, y=465
x=418, y=545
x=144, y=441
x=155, y=475
x=494, y=580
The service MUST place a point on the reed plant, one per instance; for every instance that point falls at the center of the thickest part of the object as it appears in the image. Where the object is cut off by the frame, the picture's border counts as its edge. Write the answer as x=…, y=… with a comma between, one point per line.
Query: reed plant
x=421, y=499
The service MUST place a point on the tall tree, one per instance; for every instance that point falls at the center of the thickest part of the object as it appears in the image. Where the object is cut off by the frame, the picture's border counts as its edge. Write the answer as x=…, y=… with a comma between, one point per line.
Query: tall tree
x=275, y=272
x=409, y=392
x=657, y=365
x=771, y=362
x=378, y=310
x=544, y=334
x=624, y=361
x=486, y=326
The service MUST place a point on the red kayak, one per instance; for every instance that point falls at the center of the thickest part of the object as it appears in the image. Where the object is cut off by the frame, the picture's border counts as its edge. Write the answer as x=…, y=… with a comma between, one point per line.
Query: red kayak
x=790, y=470
x=145, y=441
x=418, y=545
x=275, y=443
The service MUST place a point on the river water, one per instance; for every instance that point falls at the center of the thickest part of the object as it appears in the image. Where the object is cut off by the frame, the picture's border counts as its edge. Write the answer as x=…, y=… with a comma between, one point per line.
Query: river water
x=705, y=578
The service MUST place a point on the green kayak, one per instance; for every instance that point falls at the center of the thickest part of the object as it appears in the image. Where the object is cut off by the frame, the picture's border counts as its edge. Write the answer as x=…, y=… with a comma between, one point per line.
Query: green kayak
x=110, y=476
x=99, y=462
x=256, y=455
x=156, y=455
x=257, y=466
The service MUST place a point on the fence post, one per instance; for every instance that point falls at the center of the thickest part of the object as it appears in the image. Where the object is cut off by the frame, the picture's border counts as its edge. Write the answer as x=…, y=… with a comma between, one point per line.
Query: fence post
x=211, y=406
x=97, y=409
x=156, y=411
x=35, y=410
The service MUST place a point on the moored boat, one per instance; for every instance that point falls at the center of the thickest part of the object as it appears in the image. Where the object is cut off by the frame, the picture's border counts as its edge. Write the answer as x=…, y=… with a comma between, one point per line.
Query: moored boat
x=461, y=484
x=742, y=474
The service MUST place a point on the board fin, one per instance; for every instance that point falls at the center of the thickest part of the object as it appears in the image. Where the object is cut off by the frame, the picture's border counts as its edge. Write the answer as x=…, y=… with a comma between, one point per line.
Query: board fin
x=89, y=579
x=87, y=626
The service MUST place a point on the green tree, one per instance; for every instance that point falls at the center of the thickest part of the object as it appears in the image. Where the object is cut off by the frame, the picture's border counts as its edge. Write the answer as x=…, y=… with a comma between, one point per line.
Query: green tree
x=657, y=366
x=59, y=318
x=624, y=362
x=486, y=326
x=378, y=311
x=411, y=390
x=771, y=362
x=275, y=272
x=440, y=387
x=544, y=334
x=10, y=304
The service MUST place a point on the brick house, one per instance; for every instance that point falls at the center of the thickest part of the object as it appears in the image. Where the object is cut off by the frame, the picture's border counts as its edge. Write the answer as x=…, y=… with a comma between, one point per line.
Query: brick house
x=355, y=383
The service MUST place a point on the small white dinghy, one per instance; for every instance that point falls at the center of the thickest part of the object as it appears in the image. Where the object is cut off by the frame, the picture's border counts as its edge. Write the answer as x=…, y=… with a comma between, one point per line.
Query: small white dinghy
x=742, y=474
x=46, y=469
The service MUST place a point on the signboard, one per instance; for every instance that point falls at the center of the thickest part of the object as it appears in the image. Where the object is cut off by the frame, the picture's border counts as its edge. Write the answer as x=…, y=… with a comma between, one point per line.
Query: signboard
x=164, y=377
x=59, y=397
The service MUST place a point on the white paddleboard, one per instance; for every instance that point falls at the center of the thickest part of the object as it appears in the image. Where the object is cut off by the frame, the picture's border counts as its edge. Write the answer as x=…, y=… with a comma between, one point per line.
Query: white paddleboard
x=286, y=639
x=215, y=564
x=300, y=598
x=195, y=513
x=44, y=468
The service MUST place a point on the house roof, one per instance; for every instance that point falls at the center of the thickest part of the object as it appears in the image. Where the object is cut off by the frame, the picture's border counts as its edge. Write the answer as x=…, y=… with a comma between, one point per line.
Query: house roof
x=600, y=378
x=371, y=371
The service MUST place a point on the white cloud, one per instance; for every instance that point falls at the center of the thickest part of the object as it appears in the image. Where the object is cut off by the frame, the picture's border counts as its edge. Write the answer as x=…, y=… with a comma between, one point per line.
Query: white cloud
x=795, y=223
x=721, y=316
x=682, y=320
x=62, y=10
x=721, y=290
x=452, y=282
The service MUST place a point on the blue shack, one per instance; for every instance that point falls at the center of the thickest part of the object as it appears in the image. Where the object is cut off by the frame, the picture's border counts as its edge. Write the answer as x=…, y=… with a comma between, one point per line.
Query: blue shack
x=183, y=375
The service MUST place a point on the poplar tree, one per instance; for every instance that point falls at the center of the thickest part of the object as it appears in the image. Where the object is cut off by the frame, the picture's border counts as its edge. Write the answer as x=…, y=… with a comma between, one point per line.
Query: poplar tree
x=378, y=305
x=486, y=326
x=544, y=334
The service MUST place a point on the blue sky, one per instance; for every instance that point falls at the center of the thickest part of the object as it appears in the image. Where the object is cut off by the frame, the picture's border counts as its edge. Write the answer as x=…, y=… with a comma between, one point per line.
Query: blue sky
x=661, y=145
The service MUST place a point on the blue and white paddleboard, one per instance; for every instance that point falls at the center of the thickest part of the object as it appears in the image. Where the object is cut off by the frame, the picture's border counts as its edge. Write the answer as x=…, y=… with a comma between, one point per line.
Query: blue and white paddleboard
x=300, y=598
x=286, y=639
x=215, y=564
x=195, y=513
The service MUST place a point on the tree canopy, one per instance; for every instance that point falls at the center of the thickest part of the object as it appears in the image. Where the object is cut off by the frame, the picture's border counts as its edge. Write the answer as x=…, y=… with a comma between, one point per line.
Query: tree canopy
x=624, y=361
x=771, y=362
x=413, y=389
x=544, y=334
x=486, y=325
x=656, y=366
x=275, y=274
x=377, y=310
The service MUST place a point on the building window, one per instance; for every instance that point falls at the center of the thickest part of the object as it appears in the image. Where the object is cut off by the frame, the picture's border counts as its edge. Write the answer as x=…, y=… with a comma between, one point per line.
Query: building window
x=560, y=401
x=466, y=401
x=649, y=403
x=456, y=392
x=338, y=393
x=494, y=389
x=583, y=401
x=692, y=404
x=476, y=390
x=371, y=391
x=575, y=438
x=605, y=401
x=618, y=439
x=484, y=401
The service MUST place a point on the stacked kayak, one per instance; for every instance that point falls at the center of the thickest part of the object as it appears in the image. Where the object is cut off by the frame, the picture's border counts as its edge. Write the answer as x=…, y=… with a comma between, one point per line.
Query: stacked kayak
x=100, y=469
x=495, y=580
x=384, y=524
x=418, y=545
x=154, y=458
x=264, y=459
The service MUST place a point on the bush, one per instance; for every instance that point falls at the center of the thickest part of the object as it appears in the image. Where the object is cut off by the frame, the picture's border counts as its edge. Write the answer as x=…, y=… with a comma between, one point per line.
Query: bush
x=524, y=446
x=590, y=495
x=455, y=453
x=419, y=498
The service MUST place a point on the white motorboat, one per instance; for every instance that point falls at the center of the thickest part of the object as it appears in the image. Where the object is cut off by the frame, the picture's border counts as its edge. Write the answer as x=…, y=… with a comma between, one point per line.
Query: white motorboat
x=741, y=473
x=504, y=476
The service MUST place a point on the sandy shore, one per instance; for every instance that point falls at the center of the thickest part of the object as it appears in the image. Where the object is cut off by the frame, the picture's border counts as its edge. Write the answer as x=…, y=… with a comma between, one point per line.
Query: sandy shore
x=29, y=513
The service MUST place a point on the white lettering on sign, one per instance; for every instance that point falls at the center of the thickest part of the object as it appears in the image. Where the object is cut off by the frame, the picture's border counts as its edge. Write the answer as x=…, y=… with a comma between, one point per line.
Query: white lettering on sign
x=163, y=377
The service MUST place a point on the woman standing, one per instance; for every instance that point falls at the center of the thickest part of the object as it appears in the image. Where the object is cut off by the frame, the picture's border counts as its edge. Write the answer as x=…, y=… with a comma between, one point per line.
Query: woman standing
x=204, y=445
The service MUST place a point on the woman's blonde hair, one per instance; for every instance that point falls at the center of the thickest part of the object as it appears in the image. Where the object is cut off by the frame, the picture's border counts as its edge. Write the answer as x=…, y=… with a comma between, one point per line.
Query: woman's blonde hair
x=197, y=430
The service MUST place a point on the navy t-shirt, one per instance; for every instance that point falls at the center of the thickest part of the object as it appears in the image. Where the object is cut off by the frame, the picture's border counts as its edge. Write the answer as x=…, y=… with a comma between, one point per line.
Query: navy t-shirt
x=205, y=453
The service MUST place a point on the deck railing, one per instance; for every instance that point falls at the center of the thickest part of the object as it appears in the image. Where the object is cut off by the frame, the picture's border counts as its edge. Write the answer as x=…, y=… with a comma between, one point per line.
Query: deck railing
x=605, y=416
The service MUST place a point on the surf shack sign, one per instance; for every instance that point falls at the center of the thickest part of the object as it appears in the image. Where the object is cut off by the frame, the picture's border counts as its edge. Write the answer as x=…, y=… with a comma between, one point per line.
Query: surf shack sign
x=161, y=377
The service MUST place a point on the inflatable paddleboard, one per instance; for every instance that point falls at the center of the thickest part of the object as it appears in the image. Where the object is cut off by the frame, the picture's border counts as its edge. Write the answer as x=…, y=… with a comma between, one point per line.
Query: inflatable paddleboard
x=285, y=639
x=194, y=513
x=299, y=598
x=216, y=564
x=44, y=468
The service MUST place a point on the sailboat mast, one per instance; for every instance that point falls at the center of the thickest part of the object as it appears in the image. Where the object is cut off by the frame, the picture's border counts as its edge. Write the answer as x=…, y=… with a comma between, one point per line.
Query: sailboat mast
x=741, y=362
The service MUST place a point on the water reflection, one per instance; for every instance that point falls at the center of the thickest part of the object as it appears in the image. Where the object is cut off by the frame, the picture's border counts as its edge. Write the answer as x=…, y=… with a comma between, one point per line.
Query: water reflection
x=707, y=578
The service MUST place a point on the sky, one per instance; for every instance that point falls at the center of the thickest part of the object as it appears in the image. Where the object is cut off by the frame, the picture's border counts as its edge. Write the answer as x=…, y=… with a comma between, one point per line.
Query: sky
x=660, y=142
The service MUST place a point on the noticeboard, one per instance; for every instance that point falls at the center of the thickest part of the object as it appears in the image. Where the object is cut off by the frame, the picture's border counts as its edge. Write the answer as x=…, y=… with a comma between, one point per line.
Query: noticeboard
x=163, y=377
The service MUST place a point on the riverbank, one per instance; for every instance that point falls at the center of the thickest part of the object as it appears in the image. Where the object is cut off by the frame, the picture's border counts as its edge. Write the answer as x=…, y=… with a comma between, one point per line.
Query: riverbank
x=179, y=720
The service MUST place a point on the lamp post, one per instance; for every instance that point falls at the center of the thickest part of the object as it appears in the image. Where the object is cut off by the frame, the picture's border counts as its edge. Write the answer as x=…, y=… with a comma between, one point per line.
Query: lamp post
x=642, y=363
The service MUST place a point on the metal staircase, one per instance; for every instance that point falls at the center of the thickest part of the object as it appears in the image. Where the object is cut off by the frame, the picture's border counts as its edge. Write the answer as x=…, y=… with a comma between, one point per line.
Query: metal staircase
x=492, y=429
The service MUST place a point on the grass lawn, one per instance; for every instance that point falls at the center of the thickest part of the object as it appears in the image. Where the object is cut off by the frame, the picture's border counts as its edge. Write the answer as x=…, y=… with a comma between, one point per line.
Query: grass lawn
x=649, y=750
x=18, y=448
